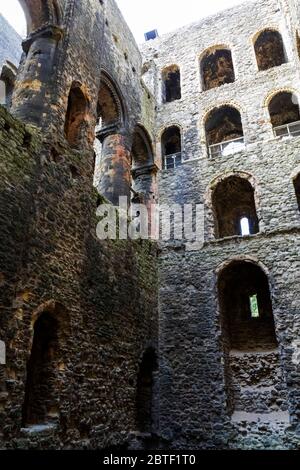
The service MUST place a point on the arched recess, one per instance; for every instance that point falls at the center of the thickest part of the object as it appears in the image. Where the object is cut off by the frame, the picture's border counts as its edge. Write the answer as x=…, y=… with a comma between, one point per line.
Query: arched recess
x=76, y=116
x=233, y=201
x=171, y=79
x=216, y=67
x=224, y=131
x=41, y=401
x=7, y=81
x=285, y=114
x=253, y=376
x=145, y=396
x=143, y=168
x=171, y=147
x=42, y=12
x=113, y=145
x=269, y=49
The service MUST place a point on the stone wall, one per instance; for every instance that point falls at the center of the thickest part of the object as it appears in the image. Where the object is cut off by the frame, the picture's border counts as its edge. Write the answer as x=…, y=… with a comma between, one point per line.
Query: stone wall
x=102, y=295
x=194, y=365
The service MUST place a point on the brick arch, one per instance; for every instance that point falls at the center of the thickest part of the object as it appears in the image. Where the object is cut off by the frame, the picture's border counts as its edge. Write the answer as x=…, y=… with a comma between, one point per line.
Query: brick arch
x=41, y=12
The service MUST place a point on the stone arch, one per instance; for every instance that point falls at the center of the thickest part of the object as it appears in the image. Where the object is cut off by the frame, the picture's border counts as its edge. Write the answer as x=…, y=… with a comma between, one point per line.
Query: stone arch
x=171, y=78
x=41, y=12
x=142, y=148
x=77, y=115
x=7, y=80
x=232, y=201
x=111, y=105
x=49, y=325
x=224, y=124
x=269, y=49
x=253, y=376
x=171, y=147
x=216, y=67
x=283, y=107
x=143, y=167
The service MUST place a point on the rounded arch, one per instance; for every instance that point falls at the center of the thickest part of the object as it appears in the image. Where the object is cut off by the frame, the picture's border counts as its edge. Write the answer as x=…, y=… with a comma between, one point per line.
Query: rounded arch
x=283, y=108
x=142, y=148
x=242, y=258
x=269, y=48
x=77, y=115
x=171, y=147
x=54, y=308
x=171, y=83
x=223, y=124
x=111, y=109
x=41, y=12
x=274, y=92
x=233, y=205
x=216, y=67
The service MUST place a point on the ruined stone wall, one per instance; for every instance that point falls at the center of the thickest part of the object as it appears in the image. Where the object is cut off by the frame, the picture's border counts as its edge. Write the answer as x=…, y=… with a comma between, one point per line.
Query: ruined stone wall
x=49, y=253
x=104, y=294
x=193, y=392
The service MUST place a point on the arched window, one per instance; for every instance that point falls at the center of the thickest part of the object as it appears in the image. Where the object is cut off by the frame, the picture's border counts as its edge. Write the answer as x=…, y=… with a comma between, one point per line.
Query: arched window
x=145, y=405
x=224, y=131
x=171, y=147
x=39, y=402
x=252, y=364
x=217, y=68
x=284, y=114
x=76, y=116
x=143, y=168
x=7, y=80
x=269, y=50
x=234, y=208
x=297, y=189
x=171, y=84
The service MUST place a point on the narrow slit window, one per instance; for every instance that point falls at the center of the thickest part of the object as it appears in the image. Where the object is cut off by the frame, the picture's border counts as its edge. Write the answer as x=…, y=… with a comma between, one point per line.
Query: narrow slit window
x=245, y=226
x=254, y=306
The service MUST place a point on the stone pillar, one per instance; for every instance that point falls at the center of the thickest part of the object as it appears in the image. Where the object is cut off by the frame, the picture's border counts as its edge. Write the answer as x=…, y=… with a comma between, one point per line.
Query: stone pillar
x=31, y=99
x=115, y=166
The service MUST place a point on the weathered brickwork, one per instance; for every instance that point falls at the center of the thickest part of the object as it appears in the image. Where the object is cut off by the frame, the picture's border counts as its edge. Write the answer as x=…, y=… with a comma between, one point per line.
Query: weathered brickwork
x=137, y=343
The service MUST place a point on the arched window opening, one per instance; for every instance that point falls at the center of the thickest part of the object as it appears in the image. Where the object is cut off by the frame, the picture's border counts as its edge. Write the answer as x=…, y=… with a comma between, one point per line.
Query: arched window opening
x=171, y=148
x=145, y=398
x=76, y=116
x=171, y=84
x=40, y=405
x=7, y=81
x=269, y=50
x=297, y=189
x=254, y=382
x=285, y=116
x=234, y=208
x=224, y=131
x=217, y=68
x=142, y=153
x=143, y=168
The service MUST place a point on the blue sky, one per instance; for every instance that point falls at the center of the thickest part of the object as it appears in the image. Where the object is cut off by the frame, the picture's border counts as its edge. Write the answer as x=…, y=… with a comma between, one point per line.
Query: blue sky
x=141, y=15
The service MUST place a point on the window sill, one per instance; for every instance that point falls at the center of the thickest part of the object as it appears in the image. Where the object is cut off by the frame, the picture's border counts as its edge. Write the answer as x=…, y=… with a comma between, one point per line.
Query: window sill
x=37, y=429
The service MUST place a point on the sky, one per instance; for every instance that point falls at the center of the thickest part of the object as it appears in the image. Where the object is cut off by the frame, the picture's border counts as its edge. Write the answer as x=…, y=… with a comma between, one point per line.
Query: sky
x=141, y=15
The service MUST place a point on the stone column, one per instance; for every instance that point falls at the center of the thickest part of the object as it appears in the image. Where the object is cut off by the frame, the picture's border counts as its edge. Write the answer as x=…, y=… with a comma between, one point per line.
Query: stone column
x=31, y=98
x=115, y=166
